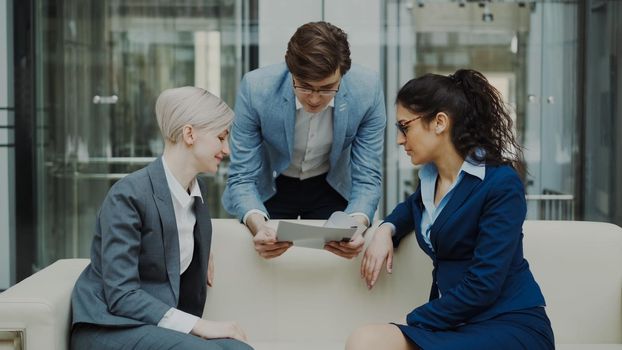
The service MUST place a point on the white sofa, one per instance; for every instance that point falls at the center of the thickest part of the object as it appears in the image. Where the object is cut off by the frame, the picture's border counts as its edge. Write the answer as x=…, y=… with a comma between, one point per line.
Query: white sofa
x=311, y=299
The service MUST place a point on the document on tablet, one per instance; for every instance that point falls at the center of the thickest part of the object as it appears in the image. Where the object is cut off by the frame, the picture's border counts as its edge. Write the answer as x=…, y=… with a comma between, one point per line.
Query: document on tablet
x=339, y=227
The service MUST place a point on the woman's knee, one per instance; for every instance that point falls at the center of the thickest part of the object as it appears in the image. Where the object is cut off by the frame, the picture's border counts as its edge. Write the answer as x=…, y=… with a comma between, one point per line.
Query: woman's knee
x=231, y=344
x=362, y=338
x=383, y=336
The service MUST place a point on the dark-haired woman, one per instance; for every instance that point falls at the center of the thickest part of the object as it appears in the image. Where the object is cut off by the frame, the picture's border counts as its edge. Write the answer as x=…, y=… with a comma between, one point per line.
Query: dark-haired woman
x=467, y=215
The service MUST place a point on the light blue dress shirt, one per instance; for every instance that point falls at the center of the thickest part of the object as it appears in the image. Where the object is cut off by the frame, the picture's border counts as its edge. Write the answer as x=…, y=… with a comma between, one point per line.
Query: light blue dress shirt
x=427, y=178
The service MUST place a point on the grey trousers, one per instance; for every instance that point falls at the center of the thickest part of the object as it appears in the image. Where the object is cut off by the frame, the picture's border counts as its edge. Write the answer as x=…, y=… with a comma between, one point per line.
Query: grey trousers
x=93, y=337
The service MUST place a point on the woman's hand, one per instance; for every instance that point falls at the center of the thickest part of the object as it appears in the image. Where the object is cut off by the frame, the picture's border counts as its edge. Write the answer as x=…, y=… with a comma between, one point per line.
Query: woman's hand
x=379, y=252
x=210, y=270
x=214, y=329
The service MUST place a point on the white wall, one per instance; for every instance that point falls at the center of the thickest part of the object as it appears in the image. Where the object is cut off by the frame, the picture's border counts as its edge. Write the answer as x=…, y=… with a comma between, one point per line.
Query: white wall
x=279, y=19
x=7, y=154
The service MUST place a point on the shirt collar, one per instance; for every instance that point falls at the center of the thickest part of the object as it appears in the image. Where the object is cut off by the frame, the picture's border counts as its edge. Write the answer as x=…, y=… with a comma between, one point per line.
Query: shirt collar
x=330, y=104
x=177, y=190
x=469, y=166
x=472, y=167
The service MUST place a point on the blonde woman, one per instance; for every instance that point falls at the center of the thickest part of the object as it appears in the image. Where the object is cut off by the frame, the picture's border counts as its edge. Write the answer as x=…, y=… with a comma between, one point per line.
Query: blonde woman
x=146, y=284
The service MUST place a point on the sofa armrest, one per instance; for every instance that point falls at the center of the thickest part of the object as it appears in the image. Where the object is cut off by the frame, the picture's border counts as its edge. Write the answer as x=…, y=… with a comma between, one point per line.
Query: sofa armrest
x=37, y=311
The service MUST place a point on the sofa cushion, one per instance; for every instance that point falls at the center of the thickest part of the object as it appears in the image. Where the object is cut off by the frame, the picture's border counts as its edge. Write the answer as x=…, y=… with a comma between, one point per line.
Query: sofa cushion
x=319, y=345
x=588, y=346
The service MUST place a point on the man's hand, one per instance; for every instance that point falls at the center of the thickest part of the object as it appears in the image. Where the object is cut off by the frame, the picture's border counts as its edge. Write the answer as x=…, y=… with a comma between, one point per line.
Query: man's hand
x=210, y=270
x=379, y=251
x=347, y=250
x=212, y=330
x=264, y=238
x=353, y=248
x=361, y=221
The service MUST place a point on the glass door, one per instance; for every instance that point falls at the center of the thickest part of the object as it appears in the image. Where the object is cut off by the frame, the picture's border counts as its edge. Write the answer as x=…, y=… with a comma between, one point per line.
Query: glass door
x=101, y=68
x=527, y=50
x=550, y=124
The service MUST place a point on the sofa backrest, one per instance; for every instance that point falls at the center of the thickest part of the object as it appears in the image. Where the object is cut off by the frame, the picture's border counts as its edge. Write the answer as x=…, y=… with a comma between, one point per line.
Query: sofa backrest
x=308, y=294
x=578, y=265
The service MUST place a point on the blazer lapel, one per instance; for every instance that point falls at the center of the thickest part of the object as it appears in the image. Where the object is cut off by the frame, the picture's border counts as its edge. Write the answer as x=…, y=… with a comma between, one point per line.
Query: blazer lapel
x=462, y=191
x=340, y=123
x=287, y=110
x=418, y=213
x=170, y=236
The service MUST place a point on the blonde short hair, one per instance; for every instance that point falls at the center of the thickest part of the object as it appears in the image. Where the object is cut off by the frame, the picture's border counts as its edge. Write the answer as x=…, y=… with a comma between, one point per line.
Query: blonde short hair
x=193, y=106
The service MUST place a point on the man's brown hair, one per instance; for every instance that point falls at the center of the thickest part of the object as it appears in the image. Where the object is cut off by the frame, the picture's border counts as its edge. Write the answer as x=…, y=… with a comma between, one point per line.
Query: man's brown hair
x=317, y=50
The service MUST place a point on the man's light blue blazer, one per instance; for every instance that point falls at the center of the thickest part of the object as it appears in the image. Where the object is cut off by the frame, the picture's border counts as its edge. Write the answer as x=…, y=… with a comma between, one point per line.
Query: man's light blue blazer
x=479, y=268
x=262, y=139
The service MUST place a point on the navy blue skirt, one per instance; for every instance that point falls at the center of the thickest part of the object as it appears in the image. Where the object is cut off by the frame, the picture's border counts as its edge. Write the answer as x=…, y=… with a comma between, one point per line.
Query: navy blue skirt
x=521, y=329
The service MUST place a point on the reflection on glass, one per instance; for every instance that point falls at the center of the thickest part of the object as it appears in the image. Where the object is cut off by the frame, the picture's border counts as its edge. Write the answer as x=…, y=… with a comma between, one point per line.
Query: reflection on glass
x=528, y=52
x=102, y=66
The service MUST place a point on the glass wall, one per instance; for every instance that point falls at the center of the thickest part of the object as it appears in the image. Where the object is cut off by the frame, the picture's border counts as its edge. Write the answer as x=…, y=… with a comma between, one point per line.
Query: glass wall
x=7, y=149
x=603, y=112
x=528, y=51
x=100, y=68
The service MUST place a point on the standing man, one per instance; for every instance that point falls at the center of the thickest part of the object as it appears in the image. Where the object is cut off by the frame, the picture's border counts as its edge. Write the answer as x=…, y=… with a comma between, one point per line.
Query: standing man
x=306, y=140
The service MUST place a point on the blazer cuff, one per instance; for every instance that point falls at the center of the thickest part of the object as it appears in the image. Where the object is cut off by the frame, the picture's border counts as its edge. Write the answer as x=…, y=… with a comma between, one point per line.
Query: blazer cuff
x=254, y=211
x=178, y=320
x=390, y=225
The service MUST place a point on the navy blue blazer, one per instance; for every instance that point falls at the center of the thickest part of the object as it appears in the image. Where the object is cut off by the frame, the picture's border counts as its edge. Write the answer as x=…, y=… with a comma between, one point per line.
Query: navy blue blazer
x=479, y=268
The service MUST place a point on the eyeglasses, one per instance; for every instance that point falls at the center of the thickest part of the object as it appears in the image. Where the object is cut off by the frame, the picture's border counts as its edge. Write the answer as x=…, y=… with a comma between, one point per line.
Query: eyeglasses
x=322, y=92
x=403, y=127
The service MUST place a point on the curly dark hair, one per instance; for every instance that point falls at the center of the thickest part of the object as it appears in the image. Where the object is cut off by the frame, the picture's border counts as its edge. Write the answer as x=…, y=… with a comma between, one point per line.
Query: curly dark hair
x=317, y=50
x=480, y=119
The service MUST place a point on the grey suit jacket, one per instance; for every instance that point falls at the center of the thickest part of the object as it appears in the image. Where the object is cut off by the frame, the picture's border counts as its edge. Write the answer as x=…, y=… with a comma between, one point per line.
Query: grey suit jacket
x=133, y=277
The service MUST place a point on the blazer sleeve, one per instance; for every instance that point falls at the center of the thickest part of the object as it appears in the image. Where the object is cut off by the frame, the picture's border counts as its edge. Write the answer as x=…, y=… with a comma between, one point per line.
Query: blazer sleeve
x=241, y=194
x=500, y=231
x=366, y=157
x=120, y=223
x=403, y=219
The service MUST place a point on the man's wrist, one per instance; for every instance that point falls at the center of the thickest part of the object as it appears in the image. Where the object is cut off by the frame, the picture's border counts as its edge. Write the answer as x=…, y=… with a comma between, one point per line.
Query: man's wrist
x=360, y=218
x=255, y=221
